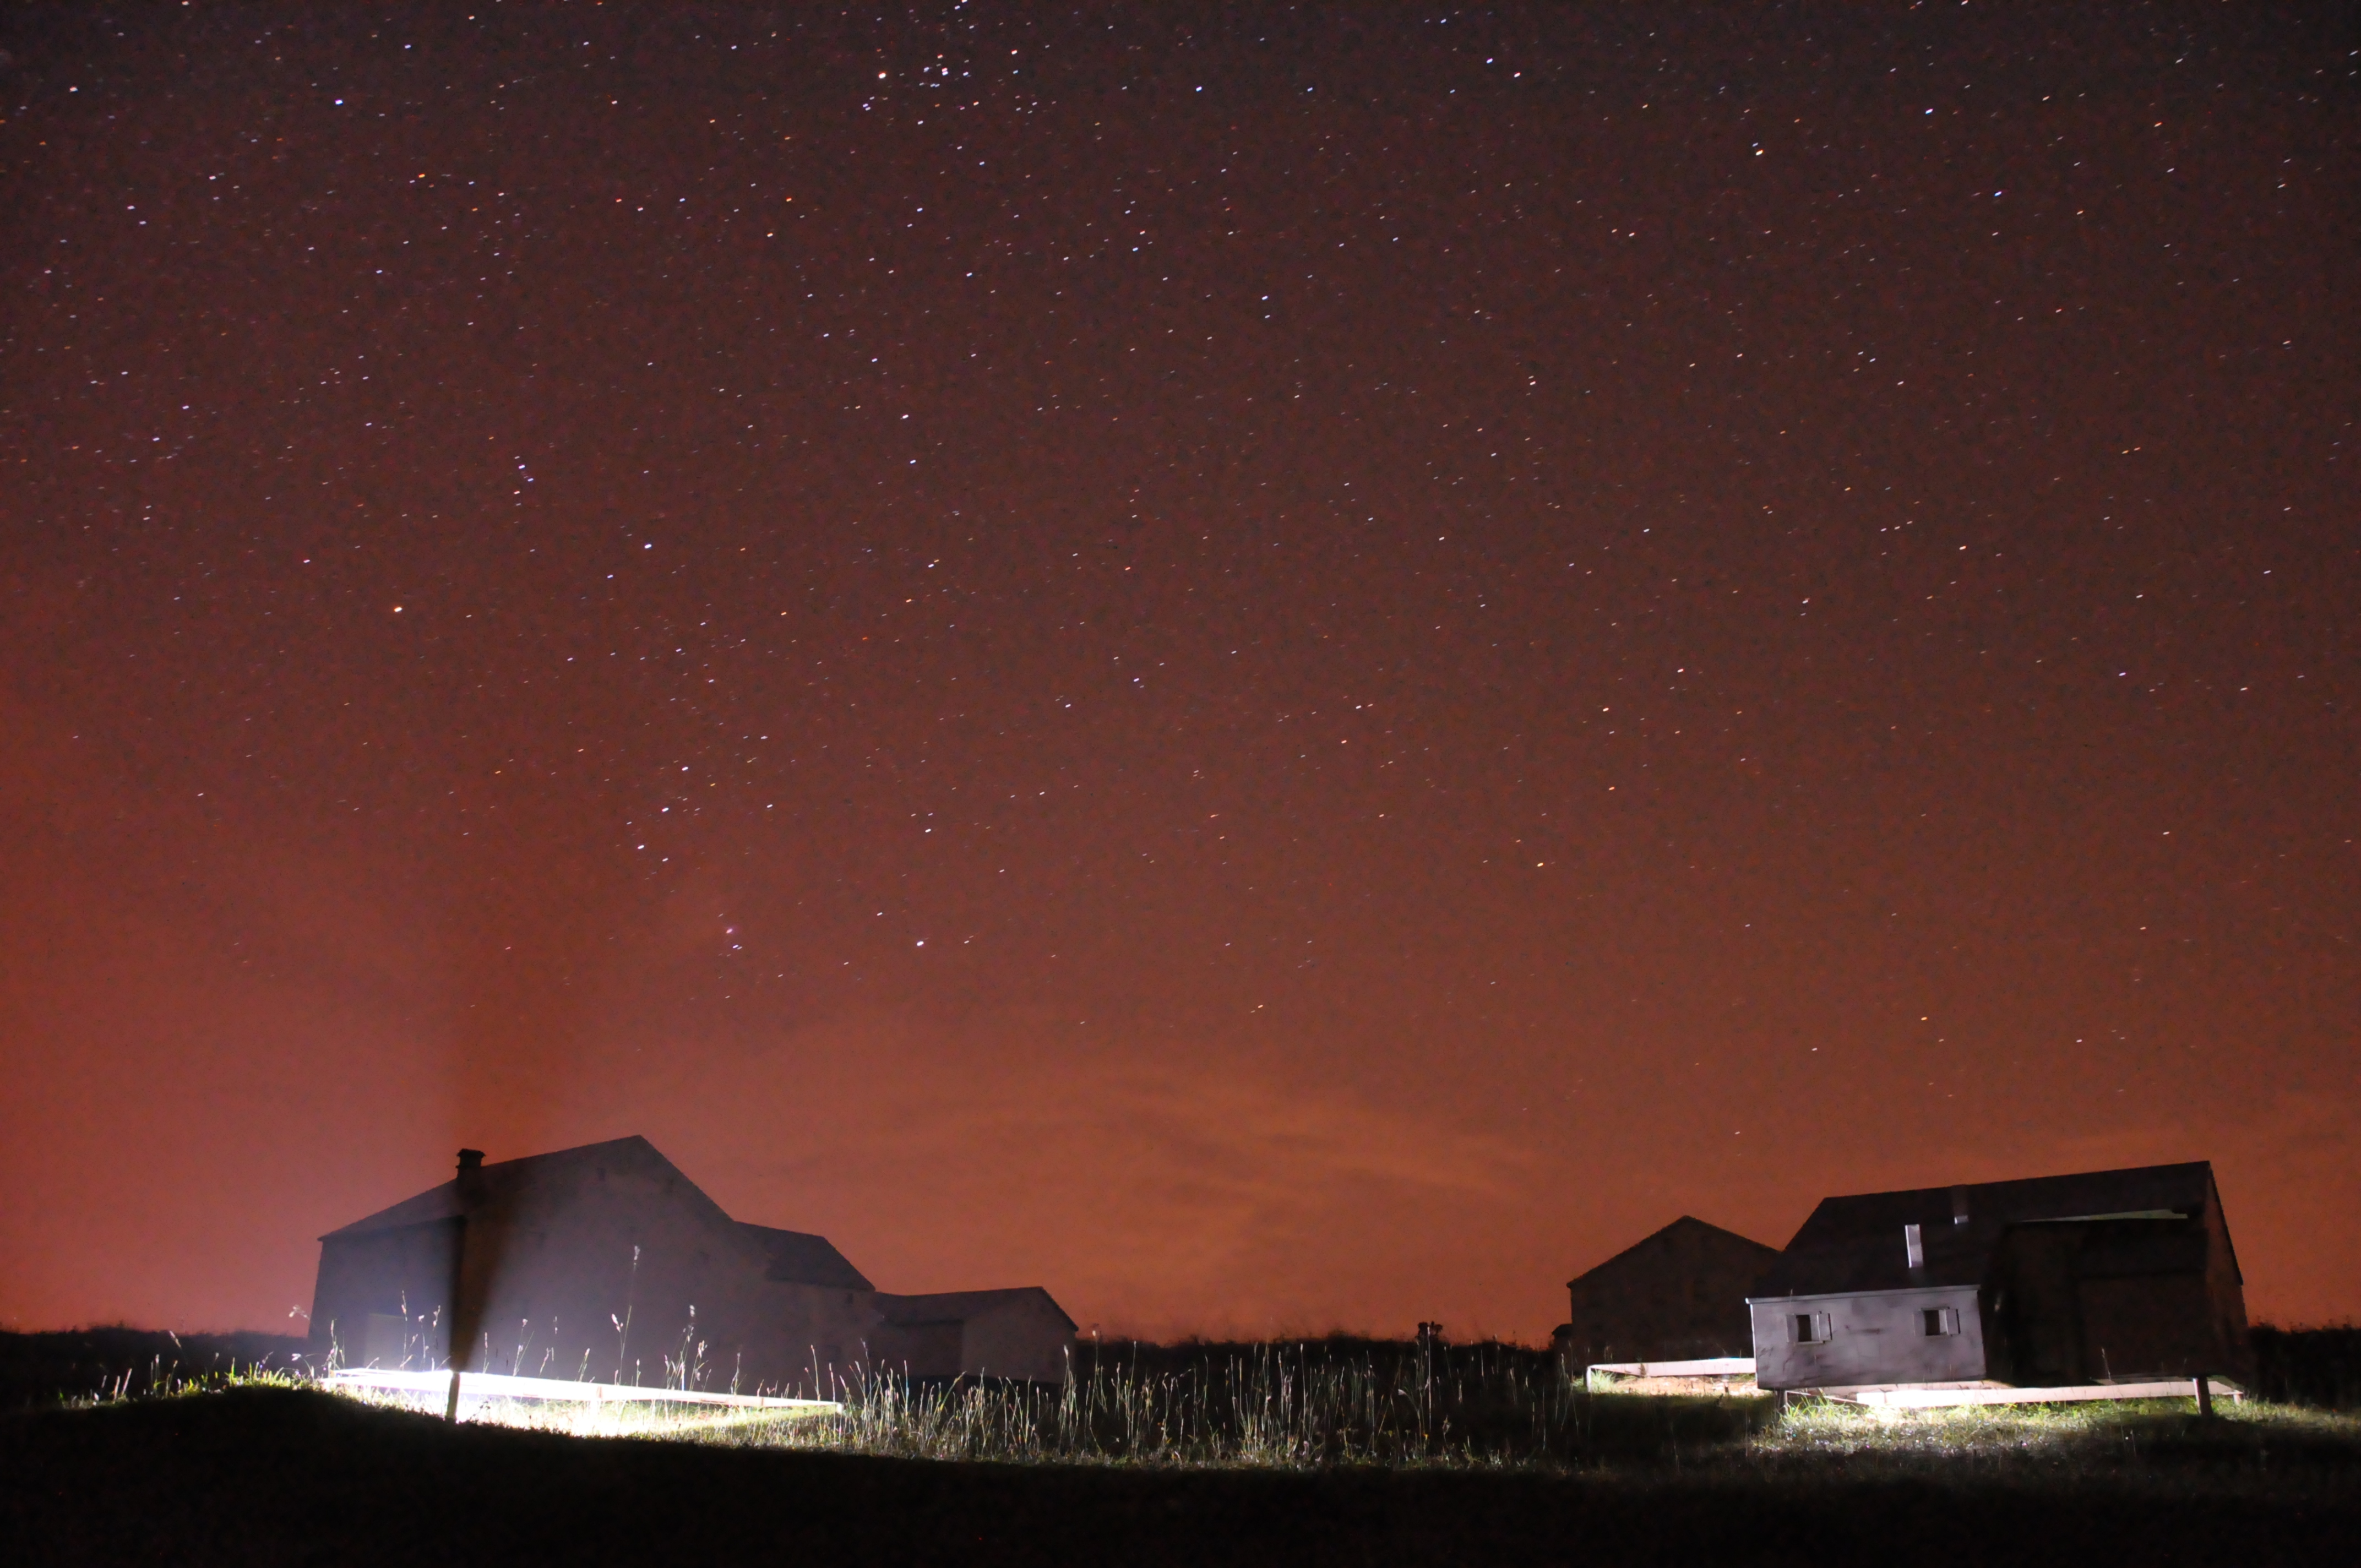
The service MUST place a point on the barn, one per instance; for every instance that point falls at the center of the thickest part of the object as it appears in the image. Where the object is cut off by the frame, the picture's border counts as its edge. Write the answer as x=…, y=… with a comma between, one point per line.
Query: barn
x=2104, y=1277
x=604, y=1263
x=1676, y=1295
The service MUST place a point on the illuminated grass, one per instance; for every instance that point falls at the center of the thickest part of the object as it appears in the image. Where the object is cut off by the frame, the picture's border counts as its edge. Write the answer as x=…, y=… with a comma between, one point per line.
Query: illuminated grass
x=1270, y=1416
x=1286, y=1408
x=1322, y=1405
x=2160, y=1447
x=162, y=1382
x=1306, y=1405
x=1833, y=1428
x=1303, y=1405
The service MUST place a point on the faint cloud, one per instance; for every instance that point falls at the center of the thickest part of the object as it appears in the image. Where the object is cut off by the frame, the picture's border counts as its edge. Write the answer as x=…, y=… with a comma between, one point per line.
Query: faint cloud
x=1190, y=1193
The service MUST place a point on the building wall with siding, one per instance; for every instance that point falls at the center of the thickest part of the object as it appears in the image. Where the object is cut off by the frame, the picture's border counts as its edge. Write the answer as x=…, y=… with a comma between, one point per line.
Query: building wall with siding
x=1676, y=1295
x=1024, y=1337
x=607, y=1263
x=1872, y=1338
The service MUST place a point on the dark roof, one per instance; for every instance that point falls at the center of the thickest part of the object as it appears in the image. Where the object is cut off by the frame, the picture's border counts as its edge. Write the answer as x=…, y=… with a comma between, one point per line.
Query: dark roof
x=793, y=1257
x=956, y=1306
x=511, y=1177
x=1687, y=1228
x=1855, y=1244
x=799, y=1258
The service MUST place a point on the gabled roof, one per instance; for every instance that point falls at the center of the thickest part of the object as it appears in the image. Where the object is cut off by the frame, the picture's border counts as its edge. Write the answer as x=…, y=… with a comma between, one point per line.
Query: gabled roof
x=1855, y=1244
x=511, y=1176
x=792, y=1256
x=957, y=1306
x=1690, y=1230
x=800, y=1258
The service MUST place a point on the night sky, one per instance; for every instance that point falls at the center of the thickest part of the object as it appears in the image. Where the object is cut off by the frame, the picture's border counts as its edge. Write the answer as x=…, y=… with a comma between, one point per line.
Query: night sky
x=1280, y=668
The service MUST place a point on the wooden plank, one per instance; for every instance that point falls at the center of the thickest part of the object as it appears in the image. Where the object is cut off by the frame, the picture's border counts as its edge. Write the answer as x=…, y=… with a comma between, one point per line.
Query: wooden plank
x=1938, y=1399
x=496, y=1386
x=1714, y=1367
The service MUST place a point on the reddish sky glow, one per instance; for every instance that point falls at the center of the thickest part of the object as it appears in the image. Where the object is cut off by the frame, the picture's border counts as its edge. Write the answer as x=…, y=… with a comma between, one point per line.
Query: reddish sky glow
x=1281, y=670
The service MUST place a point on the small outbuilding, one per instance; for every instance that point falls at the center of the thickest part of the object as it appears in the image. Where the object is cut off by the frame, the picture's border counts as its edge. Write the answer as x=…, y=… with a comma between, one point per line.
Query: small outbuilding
x=1677, y=1295
x=1020, y=1334
x=604, y=1263
x=2109, y=1276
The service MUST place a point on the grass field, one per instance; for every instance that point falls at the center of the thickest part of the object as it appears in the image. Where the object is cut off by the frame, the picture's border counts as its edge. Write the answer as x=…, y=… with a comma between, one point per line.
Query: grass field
x=1333, y=1452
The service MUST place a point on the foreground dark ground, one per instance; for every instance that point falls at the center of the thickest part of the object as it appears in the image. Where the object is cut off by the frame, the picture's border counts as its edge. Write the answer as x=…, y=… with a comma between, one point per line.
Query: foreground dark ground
x=265, y=1476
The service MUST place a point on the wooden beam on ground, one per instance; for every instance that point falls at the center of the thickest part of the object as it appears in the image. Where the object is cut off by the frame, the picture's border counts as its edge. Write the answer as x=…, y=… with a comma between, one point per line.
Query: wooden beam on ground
x=1909, y=1398
x=493, y=1385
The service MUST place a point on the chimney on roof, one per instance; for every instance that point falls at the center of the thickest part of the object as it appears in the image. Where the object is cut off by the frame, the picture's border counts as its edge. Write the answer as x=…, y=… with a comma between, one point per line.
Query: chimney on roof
x=471, y=1172
x=1959, y=1205
x=1912, y=1248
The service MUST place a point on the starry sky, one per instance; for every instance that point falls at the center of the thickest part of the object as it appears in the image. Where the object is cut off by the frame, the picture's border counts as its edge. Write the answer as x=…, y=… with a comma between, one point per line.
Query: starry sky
x=1279, y=667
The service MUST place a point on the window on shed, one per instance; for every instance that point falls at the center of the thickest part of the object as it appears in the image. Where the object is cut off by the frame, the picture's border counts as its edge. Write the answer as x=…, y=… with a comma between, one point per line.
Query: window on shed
x=1935, y=1321
x=1811, y=1328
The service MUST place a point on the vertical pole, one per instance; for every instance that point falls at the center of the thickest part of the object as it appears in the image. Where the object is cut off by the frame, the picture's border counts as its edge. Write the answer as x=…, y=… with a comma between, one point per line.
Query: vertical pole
x=2204, y=1397
x=451, y=1406
x=1428, y=1335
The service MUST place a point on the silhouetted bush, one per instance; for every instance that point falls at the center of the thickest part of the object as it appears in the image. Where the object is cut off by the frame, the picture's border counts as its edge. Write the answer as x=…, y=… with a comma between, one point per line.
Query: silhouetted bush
x=2320, y=1367
x=45, y=1368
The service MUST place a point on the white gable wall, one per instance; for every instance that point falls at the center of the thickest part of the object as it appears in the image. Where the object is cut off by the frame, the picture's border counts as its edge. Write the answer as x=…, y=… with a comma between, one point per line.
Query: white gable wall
x=1874, y=1337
